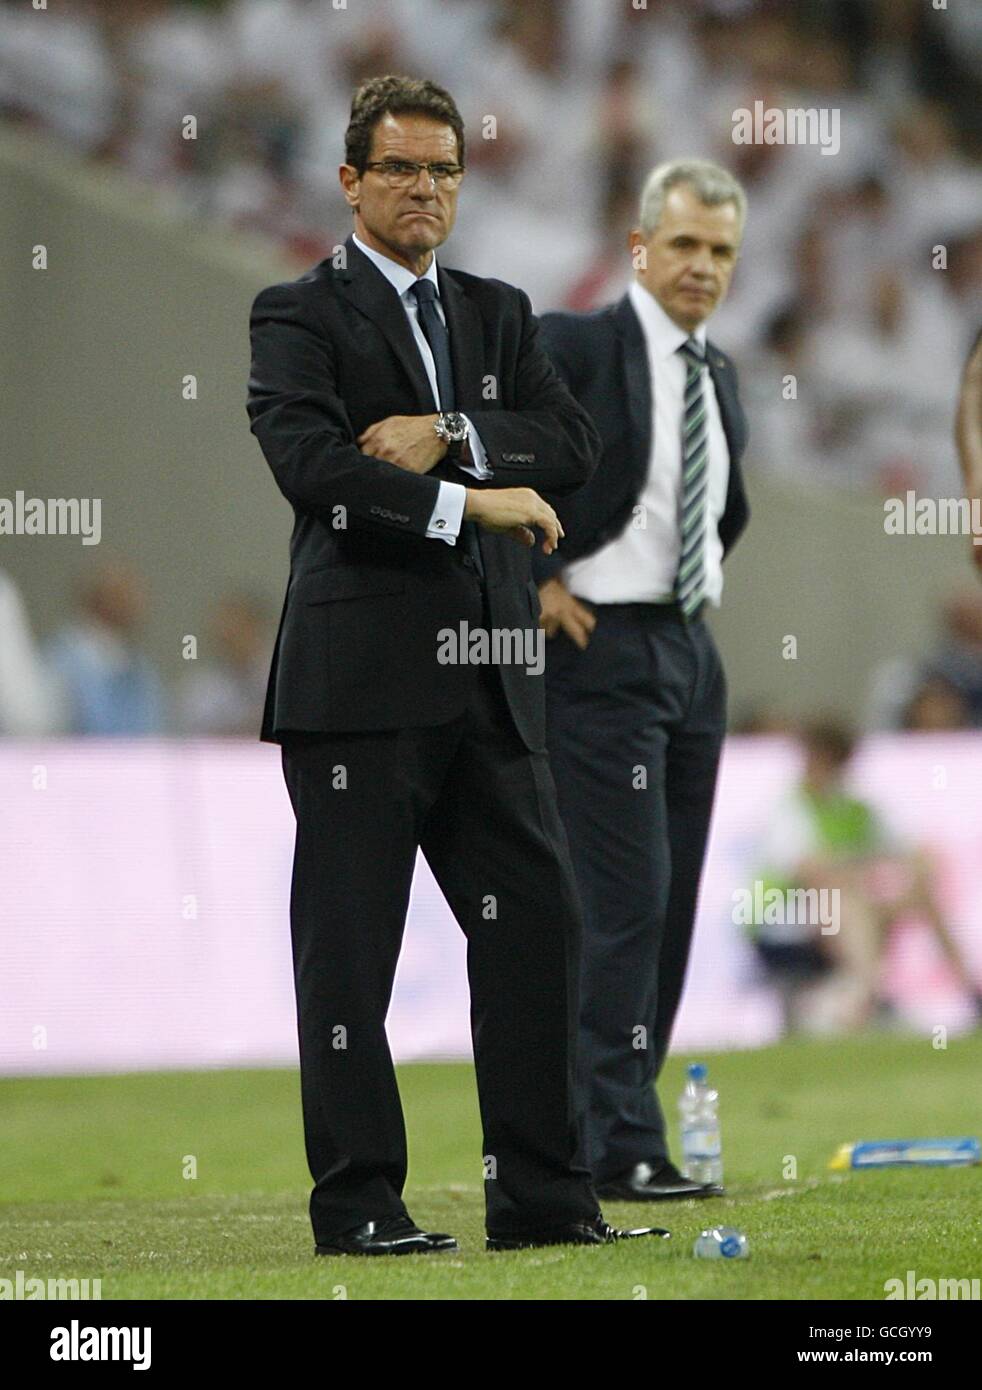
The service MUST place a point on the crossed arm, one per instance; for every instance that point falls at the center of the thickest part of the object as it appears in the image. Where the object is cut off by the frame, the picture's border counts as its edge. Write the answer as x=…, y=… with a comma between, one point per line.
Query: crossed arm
x=303, y=427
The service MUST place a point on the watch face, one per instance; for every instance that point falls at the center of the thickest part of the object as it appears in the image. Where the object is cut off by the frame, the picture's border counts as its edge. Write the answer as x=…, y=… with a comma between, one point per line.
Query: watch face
x=456, y=426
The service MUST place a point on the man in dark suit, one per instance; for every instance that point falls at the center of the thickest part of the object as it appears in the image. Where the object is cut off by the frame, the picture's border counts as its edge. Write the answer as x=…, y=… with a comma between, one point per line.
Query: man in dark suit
x=408, y=414
x=635, y=689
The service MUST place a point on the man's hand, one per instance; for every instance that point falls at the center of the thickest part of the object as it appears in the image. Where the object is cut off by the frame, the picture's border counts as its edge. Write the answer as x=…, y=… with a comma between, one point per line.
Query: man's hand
x=409, y=441
x=514, y=511
x=560, y=609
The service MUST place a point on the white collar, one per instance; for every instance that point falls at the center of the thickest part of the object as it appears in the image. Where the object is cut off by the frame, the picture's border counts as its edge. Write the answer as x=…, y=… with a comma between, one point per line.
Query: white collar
x=397, y=275
x=662, y=334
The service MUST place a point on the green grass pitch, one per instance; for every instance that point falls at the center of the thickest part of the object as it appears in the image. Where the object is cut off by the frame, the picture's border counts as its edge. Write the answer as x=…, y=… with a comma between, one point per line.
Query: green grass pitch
x=92, y=1185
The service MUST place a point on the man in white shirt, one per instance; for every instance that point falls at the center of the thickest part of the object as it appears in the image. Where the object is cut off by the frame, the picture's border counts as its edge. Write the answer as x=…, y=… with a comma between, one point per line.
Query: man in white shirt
x=636, y=695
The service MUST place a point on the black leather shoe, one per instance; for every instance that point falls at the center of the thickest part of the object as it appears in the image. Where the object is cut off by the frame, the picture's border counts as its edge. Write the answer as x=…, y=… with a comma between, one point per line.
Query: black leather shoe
x=595, y=1232
x=662, y=1182
x=392, y=1235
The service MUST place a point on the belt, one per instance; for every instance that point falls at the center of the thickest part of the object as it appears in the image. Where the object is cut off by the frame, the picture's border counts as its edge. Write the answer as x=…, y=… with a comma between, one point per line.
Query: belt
x=663, y=610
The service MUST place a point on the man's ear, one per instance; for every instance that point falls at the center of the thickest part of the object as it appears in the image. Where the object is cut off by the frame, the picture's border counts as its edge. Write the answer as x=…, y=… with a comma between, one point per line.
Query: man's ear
x=350, y=181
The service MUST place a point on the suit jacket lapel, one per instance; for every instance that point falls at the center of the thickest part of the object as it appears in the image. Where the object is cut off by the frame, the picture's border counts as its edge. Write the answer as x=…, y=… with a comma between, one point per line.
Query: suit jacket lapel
x=372, y=294
x=466, y=343
x=725, y=396
x=637, y=380
x=637, y=387
x=734, y=517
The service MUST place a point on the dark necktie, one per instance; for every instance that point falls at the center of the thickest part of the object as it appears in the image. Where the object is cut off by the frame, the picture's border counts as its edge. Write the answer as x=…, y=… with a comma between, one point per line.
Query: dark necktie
x=435, y=333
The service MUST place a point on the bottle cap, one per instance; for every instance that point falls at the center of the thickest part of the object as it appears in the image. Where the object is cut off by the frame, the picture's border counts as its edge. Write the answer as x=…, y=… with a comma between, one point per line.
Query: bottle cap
x=697, y=1071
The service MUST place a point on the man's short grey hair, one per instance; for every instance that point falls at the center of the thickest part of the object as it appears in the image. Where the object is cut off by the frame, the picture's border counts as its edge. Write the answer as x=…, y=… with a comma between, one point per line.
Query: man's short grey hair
x=711, y=183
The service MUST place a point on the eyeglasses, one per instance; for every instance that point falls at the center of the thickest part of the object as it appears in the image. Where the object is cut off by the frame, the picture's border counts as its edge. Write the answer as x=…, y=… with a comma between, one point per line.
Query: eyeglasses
x=402, y=173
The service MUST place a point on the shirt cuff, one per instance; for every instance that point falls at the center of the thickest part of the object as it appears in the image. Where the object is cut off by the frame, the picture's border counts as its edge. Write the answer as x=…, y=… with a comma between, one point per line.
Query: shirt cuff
x=447, y=515
x=479, y=465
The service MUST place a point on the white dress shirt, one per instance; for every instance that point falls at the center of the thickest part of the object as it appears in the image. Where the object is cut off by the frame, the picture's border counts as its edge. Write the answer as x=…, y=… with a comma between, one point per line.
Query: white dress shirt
x=639, y=565
x=447, y=515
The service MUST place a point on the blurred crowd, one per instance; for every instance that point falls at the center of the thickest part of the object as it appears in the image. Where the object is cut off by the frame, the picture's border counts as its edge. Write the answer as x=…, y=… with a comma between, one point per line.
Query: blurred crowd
x=92, y=676
x=937, y=691
x=567, y=104
x=858, y=294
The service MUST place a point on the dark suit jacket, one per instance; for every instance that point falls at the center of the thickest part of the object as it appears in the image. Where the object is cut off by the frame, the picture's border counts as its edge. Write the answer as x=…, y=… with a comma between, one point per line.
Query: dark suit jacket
x=332, y=353
x=603, y=359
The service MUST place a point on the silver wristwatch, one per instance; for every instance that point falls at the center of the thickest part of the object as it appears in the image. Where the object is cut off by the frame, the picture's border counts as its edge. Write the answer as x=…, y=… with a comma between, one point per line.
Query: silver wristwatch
x=452, y=428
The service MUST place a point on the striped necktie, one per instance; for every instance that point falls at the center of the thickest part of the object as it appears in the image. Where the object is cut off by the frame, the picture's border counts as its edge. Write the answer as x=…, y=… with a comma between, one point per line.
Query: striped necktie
x=690, y=581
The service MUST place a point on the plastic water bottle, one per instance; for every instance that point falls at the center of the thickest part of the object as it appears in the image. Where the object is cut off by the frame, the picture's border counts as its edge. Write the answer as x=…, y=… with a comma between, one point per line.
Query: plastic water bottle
x=702, y=1154
x=722, y=1243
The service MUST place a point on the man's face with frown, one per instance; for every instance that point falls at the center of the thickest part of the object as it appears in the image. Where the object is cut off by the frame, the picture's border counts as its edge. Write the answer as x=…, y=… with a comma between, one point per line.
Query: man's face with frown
x=404, y=223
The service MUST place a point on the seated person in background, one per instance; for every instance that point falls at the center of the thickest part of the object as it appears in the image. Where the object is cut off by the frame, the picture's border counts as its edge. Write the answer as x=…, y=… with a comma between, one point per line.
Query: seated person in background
x=958, y=657
x=105, y=681
x=223, y=693
x=942, y=690
x=935, y=707
x=823, y=839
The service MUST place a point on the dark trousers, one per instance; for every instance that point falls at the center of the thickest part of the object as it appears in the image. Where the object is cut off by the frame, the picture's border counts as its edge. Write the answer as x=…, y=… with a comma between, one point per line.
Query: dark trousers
x=483, y=810
x=634, y=727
